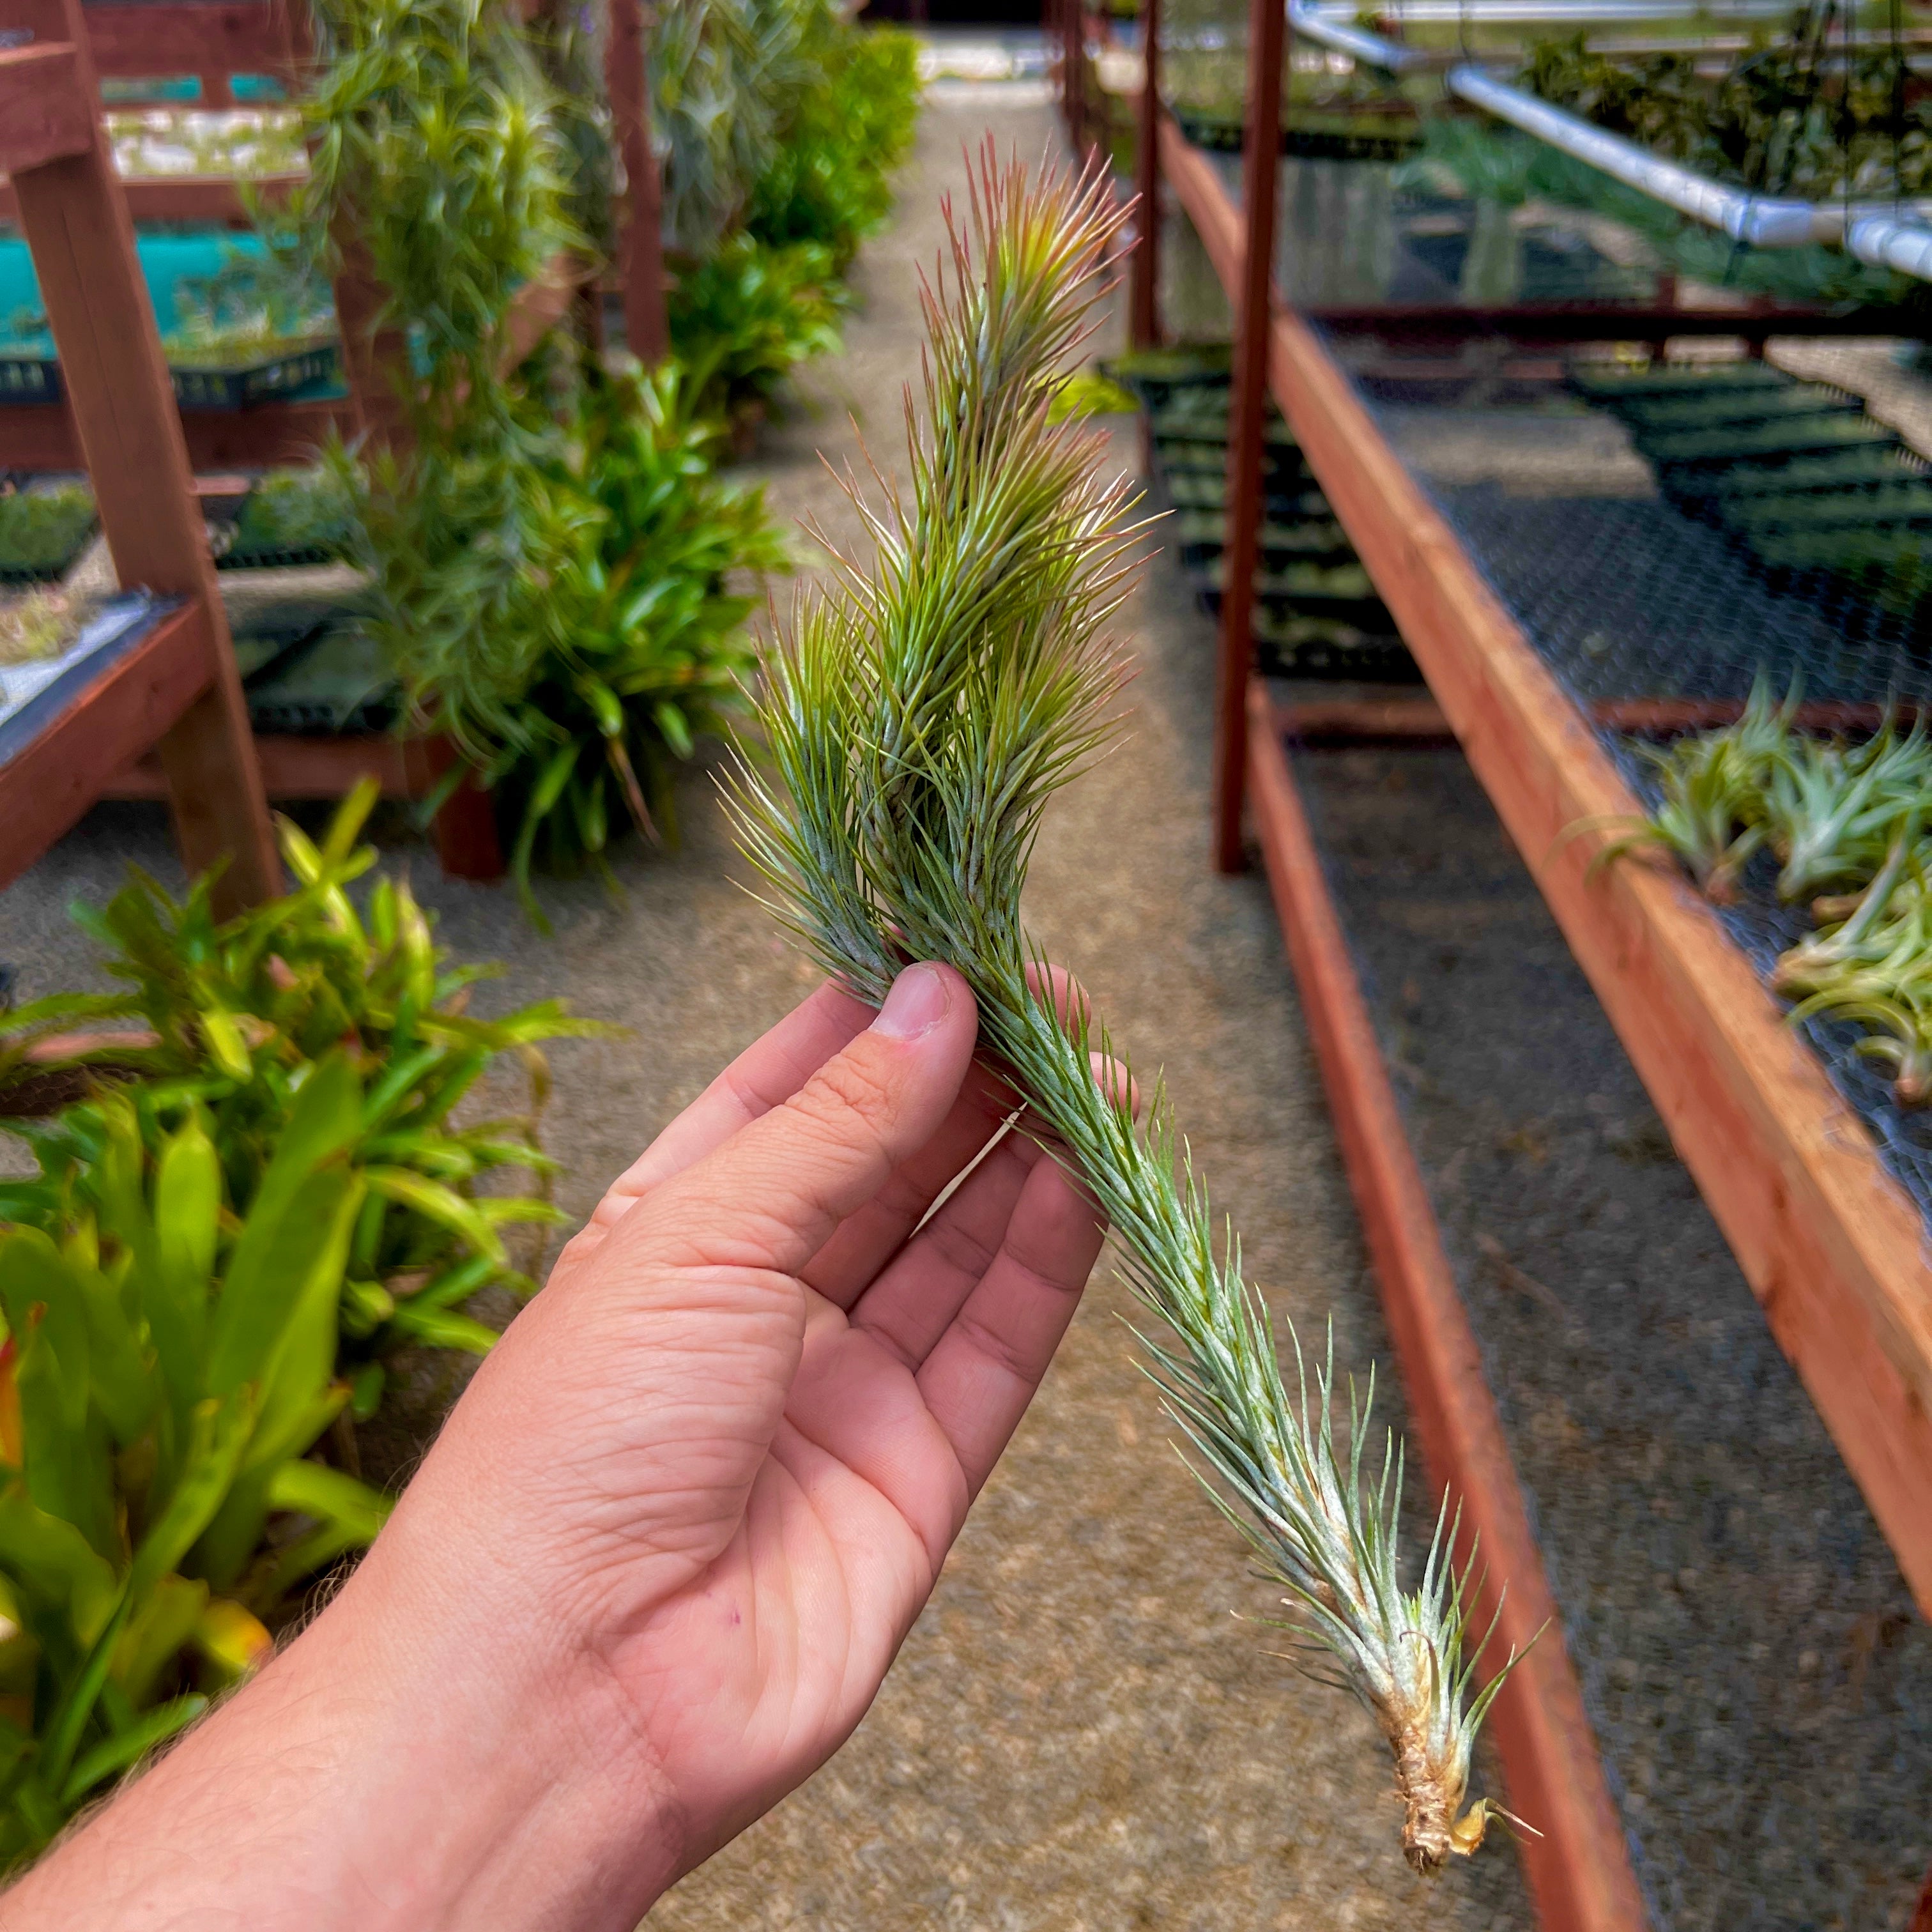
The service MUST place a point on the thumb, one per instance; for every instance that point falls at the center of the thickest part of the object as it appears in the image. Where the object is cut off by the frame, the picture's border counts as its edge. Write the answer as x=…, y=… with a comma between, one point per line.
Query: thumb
x=773, y=1194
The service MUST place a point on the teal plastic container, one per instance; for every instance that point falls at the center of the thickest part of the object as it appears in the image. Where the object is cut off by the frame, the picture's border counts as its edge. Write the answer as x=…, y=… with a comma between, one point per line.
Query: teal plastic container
x=168, y=257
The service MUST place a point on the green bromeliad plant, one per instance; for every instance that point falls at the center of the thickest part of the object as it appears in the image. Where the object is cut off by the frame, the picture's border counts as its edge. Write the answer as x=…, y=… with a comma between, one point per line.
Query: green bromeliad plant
x=745, y=316
x=919, y=713
x=240, y=1014
x=170, y=1358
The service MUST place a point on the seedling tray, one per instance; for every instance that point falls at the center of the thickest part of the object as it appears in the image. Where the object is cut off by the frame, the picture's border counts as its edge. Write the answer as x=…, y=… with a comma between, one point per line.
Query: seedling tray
x=271, y=381
x=1677, y=379
x=1769, y=442
x=32, y=695
x=29, y=380
x=50, y=561
x=1315, y=138
x=1303, y=646
x=337, y=682
x=1663, y=415
x=1870, y=468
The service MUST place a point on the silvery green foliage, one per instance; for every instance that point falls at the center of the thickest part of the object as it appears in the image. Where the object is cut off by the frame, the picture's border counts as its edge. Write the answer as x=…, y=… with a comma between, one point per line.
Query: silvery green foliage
x=726, y=79
x=918, y=714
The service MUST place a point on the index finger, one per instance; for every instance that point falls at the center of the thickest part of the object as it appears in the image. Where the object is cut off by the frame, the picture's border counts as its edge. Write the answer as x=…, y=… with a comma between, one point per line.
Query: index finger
x=765, y=1075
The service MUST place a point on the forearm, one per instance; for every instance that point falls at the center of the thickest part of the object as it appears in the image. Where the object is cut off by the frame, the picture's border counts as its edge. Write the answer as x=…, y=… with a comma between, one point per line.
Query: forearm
x=369, y=1779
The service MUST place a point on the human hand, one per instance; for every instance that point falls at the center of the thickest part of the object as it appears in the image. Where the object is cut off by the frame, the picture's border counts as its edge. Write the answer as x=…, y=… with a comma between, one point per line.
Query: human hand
x=655, y=1569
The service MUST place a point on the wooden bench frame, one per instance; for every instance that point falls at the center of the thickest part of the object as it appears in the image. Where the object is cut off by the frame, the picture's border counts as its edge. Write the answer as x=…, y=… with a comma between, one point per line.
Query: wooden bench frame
x=1835, y=1250
x=176, y=690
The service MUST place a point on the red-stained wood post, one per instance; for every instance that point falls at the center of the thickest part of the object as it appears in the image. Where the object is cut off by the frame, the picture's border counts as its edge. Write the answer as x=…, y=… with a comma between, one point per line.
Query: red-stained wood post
x=1144, y=315
x=75, y=221
x=1241, y=547
x=640, y=242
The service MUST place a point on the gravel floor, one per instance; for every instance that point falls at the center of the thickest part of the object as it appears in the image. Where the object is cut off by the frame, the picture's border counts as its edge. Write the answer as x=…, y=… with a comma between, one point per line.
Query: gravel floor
x=1079, y=1733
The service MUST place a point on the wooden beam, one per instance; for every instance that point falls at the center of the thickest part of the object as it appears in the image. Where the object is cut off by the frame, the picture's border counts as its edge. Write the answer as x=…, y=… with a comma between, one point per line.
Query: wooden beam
x=304, y=768
x=1578, y=1869
x=41, y=437
x=1421, y=720
x=181, y=197
x=122, y=403
x=1251, y=292
x=639, y=239
x=47, y=784
x=1144, y=311
x=1831, y=1245
x=211, y=38
x=47, y=114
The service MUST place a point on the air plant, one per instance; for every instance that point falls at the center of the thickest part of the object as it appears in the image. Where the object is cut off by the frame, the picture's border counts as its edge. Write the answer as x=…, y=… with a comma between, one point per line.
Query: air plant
x=918, y=714
x=1884, y=984
x=1861, y=938
x=1831, y=810
x=1711, y=815
x=38, y=625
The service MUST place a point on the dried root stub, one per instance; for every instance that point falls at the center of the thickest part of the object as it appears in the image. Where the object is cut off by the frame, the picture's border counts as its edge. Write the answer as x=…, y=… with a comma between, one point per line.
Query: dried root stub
x=917, y=713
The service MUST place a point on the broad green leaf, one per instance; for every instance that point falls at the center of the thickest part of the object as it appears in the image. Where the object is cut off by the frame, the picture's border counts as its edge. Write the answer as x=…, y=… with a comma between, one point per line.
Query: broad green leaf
x=292, y=1207
x=441, y=1205
x=158, y=1631
x=440, y=1328
x=187, y=1220
x=49, y=1561
x=115, y=1755
x=313, y=1489
x=220, y=1429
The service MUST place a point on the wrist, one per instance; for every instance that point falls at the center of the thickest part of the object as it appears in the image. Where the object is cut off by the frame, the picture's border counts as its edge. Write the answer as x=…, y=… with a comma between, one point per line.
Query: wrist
x=394, y=1770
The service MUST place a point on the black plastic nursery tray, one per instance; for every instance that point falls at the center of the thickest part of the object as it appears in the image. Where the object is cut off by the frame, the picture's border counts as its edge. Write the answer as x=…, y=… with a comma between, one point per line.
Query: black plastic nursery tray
x=1318, y=137
x=275, y=380
x=29, y=380
x=333, y=682
x=1315, y=613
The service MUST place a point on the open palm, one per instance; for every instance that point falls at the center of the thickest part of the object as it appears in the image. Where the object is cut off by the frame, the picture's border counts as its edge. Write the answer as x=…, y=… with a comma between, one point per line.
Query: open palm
x=737, y=1433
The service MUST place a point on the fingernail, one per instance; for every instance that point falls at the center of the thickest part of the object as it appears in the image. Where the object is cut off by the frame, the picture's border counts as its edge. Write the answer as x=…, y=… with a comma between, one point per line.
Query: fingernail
x=920, y=1000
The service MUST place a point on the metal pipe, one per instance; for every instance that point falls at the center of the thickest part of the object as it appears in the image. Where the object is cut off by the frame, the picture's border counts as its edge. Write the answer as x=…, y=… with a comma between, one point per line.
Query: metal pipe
x=1886, y=242
x=1765, y=222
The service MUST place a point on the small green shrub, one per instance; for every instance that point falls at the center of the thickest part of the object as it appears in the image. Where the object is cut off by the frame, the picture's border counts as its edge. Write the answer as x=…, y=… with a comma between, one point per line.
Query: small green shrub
x=41, y=529
x=746, y=316
x=831, y=182
x=593, y=632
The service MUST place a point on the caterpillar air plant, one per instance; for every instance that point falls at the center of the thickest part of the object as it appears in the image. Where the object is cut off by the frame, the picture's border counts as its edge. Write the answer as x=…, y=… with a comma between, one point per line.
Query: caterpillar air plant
x=917, y=713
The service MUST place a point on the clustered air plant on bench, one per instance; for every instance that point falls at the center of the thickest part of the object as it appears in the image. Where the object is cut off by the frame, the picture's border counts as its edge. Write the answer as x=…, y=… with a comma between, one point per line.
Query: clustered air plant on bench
x=918, y=715
x=258, y=1201
x=1846, y=823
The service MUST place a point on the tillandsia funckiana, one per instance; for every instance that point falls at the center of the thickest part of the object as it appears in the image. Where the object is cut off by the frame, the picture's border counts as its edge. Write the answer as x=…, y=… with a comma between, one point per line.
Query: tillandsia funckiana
x=918, y=715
